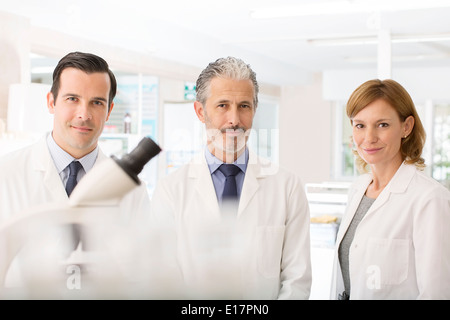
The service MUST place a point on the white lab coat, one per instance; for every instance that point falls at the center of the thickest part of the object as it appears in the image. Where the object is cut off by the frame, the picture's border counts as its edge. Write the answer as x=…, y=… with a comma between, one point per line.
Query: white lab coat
x=28, y=177
x=263, y=253
x=401, y=248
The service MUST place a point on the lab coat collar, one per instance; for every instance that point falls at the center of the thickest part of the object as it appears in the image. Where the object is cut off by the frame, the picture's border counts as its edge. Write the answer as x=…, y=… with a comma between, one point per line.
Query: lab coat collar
x=251, y=183
x=260, y=166
x=257, y=168
x=401, y=179
x=198, y=170
x=398, y=184
x=41, y=154
x=43, y=163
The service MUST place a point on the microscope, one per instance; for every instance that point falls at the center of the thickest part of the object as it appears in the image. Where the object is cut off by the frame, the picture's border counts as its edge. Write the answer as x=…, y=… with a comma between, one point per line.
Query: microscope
x=122, y=260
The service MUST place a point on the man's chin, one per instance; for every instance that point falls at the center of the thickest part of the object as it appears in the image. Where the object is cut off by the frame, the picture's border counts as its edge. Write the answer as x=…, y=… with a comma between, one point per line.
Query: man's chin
x=83, y=146
x=231, y=149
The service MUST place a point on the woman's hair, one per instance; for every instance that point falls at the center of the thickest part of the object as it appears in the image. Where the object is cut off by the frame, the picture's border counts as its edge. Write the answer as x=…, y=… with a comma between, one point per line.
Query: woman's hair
x=230, y=67
x=86, y=62
x=396, y=96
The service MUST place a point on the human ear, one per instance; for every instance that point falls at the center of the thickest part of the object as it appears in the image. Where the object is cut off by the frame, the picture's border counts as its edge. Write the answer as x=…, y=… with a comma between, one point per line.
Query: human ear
x=199, y=111
x=408, y=126
x=109, y=111
x=50, y=103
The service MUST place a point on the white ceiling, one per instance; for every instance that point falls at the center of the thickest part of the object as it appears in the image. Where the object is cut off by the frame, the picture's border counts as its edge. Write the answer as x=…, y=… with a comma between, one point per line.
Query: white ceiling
x=280, y=50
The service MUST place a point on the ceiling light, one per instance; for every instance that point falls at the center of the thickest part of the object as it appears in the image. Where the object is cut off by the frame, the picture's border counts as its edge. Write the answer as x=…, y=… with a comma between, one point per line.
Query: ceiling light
x=397, y=58
x=438, y=37
x=343, y=41
x=346, y=7
x=373, y=39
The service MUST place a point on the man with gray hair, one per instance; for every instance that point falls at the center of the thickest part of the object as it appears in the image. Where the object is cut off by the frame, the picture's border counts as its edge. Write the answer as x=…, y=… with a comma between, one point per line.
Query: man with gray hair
x=240, y=223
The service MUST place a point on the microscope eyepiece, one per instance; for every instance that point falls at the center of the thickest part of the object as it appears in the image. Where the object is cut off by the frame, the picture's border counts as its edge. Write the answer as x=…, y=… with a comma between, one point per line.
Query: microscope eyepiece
x=133, y=162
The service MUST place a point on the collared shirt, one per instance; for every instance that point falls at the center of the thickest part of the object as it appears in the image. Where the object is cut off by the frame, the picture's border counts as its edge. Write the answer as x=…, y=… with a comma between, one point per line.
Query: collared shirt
x=219, y=178
x=62, y=160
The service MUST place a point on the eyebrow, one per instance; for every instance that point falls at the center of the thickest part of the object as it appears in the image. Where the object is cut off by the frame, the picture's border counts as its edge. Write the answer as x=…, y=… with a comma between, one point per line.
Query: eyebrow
x=100, y=98
x=78, y=96
x=240, y=102
x=379, y=120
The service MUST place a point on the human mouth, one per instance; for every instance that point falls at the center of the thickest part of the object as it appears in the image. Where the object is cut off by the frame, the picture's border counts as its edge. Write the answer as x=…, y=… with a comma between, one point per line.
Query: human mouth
x=82, y=129
x=372, y=150
x=233, y=132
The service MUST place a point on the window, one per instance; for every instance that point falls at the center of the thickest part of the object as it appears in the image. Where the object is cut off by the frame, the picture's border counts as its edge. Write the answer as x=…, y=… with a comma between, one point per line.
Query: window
x=265, y=130
x=441, y=144
x=134, y=116
x=344, y=168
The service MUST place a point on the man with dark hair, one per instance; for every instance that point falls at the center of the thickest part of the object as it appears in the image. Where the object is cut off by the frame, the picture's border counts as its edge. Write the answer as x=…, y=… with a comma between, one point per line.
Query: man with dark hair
x=81, y=100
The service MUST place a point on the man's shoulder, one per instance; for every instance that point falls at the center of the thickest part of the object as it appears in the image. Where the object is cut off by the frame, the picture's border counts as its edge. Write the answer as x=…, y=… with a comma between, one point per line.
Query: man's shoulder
x=17, y=156
x=16, y=164
x=269, y=168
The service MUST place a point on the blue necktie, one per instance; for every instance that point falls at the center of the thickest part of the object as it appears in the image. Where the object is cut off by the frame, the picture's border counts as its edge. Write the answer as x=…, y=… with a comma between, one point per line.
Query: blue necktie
x=74, y=167
x=74, y=229
x=230, y=190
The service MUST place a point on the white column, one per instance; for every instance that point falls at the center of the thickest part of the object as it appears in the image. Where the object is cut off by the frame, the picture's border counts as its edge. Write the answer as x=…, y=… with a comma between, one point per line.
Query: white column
x=14, y=56
x=428, y=123
x=384, y=54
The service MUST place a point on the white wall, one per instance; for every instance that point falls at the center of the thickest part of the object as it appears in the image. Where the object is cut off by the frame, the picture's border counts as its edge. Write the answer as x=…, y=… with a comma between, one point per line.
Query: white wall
x=305, y=131
x=421, y=83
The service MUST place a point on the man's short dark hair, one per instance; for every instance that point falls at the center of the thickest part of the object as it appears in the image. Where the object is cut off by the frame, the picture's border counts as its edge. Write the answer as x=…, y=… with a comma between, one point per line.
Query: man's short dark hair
x=86, y=62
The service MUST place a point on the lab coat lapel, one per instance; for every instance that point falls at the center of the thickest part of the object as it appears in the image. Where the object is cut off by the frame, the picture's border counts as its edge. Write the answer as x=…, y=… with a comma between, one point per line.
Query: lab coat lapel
x=380, y=200
x=398, y=184
x=251, y=183
x=354, y=198
x=100, y=157
x=43, y=163
x=204, y=187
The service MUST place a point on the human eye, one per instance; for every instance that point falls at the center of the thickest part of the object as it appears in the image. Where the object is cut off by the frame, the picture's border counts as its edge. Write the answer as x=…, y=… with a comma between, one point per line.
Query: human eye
x=383, y=125
x=245, y=106
x=358, y=125
x=72, y=99
x=98, y=102
x=221, y=105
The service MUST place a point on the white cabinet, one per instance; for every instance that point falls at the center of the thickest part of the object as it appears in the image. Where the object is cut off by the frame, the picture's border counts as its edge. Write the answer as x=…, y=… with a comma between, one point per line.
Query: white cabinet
x=327, y=199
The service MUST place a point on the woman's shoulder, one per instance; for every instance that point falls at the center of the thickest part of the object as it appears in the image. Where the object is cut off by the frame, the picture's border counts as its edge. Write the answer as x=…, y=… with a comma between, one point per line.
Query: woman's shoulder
x=427, y=183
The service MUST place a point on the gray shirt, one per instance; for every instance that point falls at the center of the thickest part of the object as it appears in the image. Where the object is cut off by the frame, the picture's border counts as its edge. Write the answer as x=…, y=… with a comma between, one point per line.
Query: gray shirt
x=346, y=242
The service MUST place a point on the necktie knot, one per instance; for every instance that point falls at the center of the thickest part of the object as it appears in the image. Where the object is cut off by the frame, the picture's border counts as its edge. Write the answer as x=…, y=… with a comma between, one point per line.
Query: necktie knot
x=74, y=167
x=229, y=170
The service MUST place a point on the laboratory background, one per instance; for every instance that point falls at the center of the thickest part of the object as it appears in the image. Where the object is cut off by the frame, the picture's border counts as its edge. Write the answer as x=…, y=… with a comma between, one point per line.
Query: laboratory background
x=309, y=55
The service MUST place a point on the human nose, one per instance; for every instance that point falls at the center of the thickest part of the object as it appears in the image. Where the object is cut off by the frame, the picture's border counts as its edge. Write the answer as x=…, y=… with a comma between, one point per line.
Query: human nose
x=83, y=111
x=233, y=116
x=371, y=135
